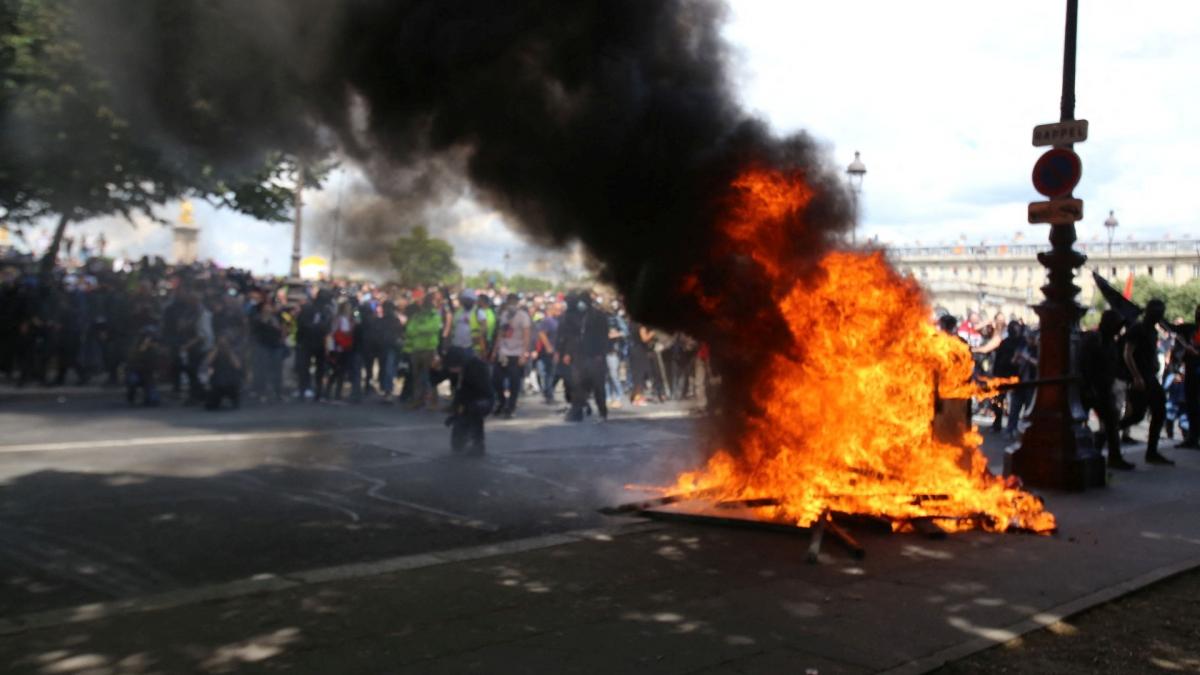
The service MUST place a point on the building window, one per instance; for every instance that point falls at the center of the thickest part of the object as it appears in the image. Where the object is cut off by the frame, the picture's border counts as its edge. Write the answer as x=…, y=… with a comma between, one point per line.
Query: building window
x=954, y=270
x=1150, y=270
x=1196, y=270
x=1171, y=271
x=1114, y=273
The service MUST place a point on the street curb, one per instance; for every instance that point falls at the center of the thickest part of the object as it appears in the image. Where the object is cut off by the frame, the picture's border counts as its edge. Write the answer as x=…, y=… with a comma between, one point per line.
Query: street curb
x=1041, y=620
x=270, y=583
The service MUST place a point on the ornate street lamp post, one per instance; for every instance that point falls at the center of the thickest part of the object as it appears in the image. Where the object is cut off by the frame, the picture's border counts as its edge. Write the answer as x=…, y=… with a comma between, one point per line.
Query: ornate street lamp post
x=1110, y=224
x=1056, y=450
x=855, y=173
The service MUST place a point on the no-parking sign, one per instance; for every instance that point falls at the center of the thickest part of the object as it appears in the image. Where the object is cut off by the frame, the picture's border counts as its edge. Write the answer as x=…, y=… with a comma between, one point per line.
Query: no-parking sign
x=1057, y=172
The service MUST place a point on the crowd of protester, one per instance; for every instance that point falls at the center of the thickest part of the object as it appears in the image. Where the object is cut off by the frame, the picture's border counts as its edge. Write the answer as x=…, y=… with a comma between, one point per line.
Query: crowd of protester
x=214, y=336
x=1129, y=370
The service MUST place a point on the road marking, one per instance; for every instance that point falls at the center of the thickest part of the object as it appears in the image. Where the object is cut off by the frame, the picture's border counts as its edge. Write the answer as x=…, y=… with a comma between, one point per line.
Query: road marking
x=157, y=440
x=378, y=484
x=307, y=433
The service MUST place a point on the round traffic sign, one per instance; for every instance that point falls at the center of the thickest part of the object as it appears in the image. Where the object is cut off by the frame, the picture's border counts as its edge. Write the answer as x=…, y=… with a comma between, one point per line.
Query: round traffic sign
x=1057, y=172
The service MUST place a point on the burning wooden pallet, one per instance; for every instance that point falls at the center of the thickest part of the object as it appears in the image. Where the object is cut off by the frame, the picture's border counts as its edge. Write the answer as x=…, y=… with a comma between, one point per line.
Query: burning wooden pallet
x=830, y=523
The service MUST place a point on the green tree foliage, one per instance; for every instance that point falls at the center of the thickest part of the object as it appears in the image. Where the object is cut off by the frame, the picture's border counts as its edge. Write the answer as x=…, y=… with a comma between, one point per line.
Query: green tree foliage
x=1181, y=300
x=519, y=283
x=421, y=260
x=526, y=284
x=67, y=153
x=484, y=278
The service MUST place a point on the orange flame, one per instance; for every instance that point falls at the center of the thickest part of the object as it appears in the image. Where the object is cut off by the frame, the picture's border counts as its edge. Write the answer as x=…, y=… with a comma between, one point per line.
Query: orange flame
x=848, y=413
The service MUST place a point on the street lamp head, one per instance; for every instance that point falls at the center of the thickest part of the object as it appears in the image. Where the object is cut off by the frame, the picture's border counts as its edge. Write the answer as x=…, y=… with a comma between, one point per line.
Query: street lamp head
x=1110, y=222
x=856, y=171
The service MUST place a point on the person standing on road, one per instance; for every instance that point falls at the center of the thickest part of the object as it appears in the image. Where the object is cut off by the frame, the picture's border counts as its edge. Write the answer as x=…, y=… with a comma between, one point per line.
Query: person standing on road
x=1146, y=391
x=140, y=369
x=312, y=329
x=344, y=350
x=225, y=375
x=1098, y=356
x=473, y=400
x=511, y=354
x=1189, y=338
x=422, y=334
x=547, y=334
x=1024, y=363
x=385, y=341
x=618, y=339
x=643, y=361
x=470, y=326
x=267, y=337
x=586, y=358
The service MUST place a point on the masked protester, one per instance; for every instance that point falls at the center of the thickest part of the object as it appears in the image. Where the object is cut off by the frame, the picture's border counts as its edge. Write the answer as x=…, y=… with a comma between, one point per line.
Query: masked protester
x=312, y=357
x=586, y=358
x=1188, y=352
x=1098, y=367
x=472, y=402
x=1146, y=392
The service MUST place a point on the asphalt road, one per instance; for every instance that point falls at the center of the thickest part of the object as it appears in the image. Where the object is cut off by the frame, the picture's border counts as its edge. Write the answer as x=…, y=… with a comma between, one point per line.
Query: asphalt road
x=99, y=501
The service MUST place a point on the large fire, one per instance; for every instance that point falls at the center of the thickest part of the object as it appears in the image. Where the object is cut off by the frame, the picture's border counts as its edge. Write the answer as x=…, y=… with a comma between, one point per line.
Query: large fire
x=847, y=418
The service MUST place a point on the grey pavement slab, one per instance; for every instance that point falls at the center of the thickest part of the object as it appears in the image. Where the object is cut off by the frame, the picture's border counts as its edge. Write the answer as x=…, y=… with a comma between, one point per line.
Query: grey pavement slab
x=671, y=599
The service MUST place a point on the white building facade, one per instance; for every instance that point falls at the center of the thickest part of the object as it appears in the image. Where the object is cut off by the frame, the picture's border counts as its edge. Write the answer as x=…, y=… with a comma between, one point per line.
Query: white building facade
x=991, y=278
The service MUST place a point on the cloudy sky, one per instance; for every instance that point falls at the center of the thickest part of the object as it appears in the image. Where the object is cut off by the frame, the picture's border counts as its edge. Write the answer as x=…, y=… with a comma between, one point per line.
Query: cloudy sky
x=940, y=96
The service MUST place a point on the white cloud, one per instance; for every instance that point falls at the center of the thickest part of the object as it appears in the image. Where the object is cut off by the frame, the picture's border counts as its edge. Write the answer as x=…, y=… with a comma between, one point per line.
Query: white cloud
x=940, y=96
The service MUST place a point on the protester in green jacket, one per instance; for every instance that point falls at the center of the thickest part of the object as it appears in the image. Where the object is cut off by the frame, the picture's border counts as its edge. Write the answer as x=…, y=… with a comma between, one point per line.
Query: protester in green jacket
x=423, y=332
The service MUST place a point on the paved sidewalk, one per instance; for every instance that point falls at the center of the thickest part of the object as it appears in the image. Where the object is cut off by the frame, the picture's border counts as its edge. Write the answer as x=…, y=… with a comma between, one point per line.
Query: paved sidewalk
x=650, y=599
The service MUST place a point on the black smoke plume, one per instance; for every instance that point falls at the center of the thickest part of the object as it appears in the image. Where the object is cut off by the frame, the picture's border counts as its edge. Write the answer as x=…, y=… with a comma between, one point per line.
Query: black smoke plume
x=611, y=122
x=359, y=217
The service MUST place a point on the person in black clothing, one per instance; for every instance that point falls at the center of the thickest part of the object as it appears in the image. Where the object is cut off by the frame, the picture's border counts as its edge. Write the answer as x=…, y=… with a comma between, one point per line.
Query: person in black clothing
x=225, y=378
x=643, y=361
x=566, y=343
x=312, y=328
x=1146, y=391
x=586, y=355
x=473, y=400
x=1188, y=351
x=181, y=330
x=1003, y=365
x=68, y=337
x=1098, y=356
x=267, y=338
x=383, y=336
x=140, y=367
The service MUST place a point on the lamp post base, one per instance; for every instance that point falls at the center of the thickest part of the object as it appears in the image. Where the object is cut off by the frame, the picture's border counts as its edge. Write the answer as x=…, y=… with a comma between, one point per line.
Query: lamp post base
x=1056, y=452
